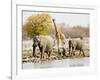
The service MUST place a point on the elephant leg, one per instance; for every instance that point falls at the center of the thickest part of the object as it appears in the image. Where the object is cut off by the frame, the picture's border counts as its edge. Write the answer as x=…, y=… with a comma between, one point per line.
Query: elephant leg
x=73, y=51
x=69, y=51
x=49, y=54
x=64, y=52
x=79, y=52
x=42, y=52
x=83, y=53
x=34, y=47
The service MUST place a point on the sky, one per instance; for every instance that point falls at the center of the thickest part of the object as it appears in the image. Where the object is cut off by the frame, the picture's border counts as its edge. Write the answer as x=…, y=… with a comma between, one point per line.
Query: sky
x=66, y=18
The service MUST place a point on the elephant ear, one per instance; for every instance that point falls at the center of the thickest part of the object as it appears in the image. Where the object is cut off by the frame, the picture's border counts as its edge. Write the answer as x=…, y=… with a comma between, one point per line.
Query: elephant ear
x=43, y=40
x=38, y=38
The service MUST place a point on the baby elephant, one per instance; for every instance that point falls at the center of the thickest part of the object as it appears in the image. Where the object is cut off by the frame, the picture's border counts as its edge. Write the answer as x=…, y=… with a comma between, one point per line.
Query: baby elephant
x=76, y=45
x=45, y=44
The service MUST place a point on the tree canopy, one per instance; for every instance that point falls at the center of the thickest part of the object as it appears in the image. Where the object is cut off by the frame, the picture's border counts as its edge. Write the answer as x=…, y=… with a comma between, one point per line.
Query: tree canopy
x=40, y=23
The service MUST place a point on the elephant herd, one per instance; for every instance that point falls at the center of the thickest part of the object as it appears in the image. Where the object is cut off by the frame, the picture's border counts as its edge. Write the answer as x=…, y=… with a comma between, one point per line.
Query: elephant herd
x=46, y=44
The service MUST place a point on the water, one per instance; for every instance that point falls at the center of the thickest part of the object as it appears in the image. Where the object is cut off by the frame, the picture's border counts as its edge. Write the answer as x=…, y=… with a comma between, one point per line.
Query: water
x=80, y=62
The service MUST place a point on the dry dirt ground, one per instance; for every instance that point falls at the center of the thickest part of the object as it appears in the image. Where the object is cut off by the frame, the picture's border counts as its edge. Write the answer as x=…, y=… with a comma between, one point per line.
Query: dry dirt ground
x=27, y=56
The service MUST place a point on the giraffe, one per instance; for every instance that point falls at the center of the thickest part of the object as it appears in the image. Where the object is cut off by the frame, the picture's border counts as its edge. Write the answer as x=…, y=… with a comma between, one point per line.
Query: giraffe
x=60, y=37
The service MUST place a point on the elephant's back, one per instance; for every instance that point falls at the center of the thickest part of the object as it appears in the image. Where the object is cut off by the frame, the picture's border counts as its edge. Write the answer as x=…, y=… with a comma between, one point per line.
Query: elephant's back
x=47, y=41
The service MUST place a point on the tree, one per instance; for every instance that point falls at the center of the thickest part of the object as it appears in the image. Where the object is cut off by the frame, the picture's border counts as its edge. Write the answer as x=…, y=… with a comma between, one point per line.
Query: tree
x=40, y=23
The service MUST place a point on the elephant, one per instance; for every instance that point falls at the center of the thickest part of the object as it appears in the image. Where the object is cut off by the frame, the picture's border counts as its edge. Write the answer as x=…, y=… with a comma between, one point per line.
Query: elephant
x=45, y=44
x=76, y=45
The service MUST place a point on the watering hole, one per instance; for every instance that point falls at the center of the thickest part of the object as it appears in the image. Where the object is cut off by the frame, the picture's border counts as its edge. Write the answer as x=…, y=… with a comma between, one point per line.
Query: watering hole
x=74, y=62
